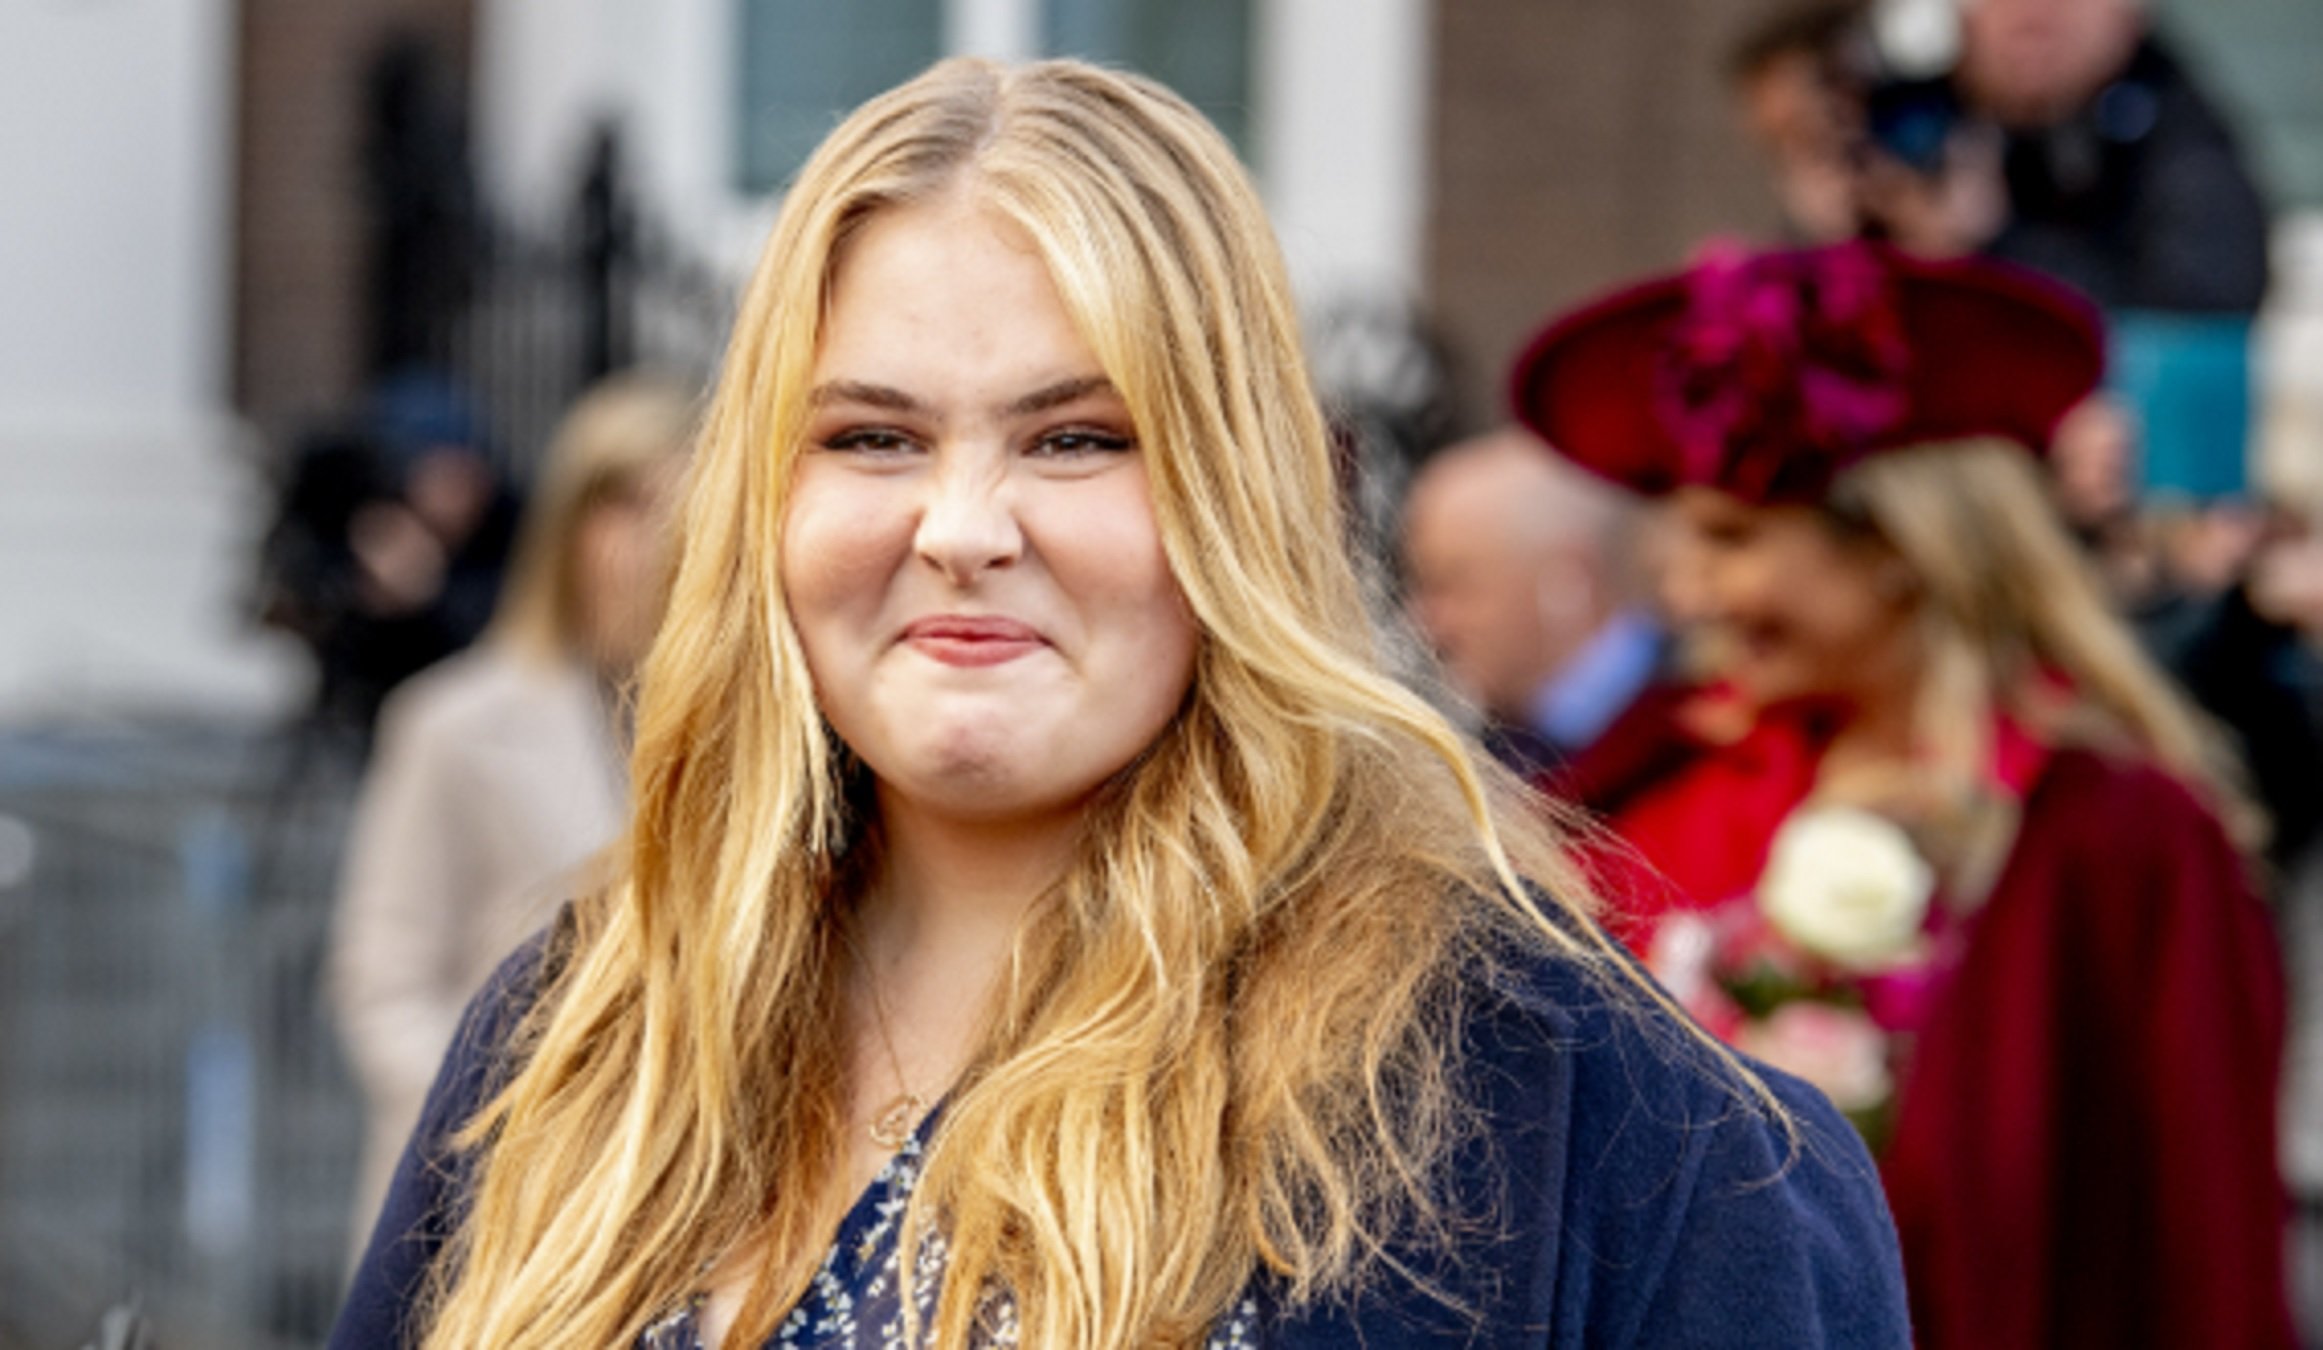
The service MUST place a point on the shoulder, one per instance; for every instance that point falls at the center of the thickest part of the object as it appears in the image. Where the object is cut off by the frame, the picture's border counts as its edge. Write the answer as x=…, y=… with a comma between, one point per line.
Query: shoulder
x=431, y=1179
x=2116, y=855
x=472, y=692
x=2121, y=807
x=1672, y=1203
x=444, y=698
x=1643, y=1088
x=2094, y=772
x=482, y=1053
x=2187, y=109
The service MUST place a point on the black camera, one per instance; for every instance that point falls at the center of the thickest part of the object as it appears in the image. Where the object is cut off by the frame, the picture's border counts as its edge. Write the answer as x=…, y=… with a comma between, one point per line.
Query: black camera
x=1913, y=120
x=1903, y=53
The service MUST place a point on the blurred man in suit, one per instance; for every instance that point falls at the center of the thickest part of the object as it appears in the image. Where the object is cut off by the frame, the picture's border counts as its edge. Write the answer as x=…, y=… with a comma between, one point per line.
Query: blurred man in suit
x=1520, y=576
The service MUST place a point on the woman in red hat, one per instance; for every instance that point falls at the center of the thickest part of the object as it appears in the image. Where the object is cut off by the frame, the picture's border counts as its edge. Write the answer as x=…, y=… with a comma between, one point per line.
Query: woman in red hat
x=1974, y=868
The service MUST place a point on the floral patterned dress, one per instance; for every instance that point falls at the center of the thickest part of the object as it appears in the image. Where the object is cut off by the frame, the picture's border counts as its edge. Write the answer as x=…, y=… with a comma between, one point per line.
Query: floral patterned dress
x=855, y=1301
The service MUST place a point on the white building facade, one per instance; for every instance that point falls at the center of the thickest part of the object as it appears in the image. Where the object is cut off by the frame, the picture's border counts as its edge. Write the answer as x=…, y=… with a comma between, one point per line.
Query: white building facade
x=1335, y=113
x=128, y=495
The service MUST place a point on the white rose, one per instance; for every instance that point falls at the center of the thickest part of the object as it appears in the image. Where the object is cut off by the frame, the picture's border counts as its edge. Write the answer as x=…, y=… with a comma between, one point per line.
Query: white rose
x=1846, y=885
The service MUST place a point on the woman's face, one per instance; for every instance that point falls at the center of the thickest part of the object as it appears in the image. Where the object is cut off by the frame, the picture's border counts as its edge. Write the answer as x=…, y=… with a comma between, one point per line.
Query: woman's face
x=1798, y=611
x=617, y=560
x=969, y=552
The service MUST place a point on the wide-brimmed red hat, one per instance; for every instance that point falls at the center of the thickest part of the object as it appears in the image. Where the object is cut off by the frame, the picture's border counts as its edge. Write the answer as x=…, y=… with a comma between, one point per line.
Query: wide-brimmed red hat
x=1767, y=374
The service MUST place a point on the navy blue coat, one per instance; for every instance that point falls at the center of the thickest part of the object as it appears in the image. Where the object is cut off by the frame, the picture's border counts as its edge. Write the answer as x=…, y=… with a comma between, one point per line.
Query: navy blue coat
x=1641, y=1200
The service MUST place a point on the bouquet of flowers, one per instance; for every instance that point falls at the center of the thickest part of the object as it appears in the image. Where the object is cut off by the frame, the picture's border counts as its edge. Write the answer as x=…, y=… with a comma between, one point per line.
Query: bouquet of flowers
x=1828, y=966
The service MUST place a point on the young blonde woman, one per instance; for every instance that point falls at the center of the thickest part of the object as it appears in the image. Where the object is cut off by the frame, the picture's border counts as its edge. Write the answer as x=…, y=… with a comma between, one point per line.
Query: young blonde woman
x=1042, y=922
x=500, y=771
x=1974, y=869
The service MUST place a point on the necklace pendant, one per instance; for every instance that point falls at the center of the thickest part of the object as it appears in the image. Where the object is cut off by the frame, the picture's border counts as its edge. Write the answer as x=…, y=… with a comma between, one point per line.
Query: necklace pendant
x=891, y=1128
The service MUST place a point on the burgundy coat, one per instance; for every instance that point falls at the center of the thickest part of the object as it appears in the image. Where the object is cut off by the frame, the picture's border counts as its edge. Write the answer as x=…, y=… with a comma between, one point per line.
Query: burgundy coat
x=2085, y=1151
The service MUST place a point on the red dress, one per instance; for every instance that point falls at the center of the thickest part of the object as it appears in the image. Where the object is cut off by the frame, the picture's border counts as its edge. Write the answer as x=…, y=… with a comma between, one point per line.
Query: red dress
x=2084, y=1143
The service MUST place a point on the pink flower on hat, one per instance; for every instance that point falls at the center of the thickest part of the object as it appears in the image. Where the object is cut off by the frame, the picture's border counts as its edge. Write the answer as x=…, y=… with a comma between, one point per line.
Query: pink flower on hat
x=1783, y=369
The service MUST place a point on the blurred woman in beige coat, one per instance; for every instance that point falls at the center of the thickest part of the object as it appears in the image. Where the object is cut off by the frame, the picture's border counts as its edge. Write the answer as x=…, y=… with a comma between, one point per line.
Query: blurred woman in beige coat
x=500, y=772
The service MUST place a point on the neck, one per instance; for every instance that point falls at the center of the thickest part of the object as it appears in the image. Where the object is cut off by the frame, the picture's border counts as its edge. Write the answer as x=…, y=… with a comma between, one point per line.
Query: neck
x=1881, y=726
x=954, y=891
x=613, y=666
x=1878, y=729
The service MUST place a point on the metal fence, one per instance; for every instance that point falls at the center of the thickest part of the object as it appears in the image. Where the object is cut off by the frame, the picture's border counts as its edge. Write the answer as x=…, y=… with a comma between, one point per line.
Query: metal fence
x=546, y=308
x=176, y=1126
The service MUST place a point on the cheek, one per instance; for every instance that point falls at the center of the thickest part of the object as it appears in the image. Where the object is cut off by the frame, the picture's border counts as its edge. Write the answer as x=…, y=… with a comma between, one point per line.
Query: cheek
x=1827, y=625
x=840, y=548
x=617, y=549
x=1450, y=610
x=837, y=568
x=1856, y=619
x=1797, y=573
x=1739, y=583
x=1106, y=550
x=1172, y=643
x=1517, y=604
x=1152, y=616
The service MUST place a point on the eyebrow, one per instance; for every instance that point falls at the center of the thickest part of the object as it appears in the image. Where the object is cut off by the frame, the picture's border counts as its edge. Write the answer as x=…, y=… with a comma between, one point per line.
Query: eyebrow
x=1059, y=394
x=896, y=400
x=856, y=391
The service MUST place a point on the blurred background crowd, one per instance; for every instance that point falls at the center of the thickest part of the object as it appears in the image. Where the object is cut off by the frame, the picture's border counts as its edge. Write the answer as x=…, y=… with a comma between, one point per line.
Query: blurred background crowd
x=348, y=352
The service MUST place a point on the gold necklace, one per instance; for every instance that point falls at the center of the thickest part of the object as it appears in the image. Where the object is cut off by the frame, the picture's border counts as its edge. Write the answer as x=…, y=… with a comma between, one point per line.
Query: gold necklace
x=891, y=1126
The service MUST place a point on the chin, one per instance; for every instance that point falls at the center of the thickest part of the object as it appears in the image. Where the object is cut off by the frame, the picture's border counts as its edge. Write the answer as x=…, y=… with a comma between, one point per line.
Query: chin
x=1769, y=683
x=985, y=795
x=988, y=778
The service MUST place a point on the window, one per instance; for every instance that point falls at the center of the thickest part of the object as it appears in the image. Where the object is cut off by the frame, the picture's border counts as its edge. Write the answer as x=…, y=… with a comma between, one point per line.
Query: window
x=807, y=63
x=1200, y=48
x=2256, y=58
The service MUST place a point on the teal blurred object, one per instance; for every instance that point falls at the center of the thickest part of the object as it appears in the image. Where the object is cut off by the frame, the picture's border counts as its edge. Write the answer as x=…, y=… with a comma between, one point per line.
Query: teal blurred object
x=2187, y=379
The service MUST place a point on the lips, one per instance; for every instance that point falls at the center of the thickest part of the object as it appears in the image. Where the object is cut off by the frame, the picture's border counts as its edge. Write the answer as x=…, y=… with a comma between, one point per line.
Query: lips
x=972, y=640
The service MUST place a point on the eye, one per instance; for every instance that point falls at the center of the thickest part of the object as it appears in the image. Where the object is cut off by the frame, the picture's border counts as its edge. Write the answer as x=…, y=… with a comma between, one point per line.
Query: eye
x=877, y=442
x=1722, y=528
x=1081, y=442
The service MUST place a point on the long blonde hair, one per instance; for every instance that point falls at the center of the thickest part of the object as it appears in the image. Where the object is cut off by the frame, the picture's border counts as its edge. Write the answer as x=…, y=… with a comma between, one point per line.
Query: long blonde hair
x=2012, y=619
x=1226, y=1040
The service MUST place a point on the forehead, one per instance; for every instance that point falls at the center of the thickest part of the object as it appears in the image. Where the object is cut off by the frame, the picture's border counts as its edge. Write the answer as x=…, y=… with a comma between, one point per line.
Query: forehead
x=1708, y=508
x=949, y=288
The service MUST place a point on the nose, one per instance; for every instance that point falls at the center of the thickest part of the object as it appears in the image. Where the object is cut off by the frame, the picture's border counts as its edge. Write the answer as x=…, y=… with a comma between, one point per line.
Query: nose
x=968, y=521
